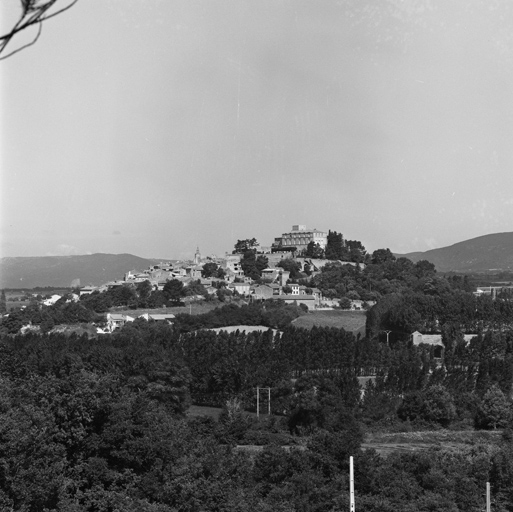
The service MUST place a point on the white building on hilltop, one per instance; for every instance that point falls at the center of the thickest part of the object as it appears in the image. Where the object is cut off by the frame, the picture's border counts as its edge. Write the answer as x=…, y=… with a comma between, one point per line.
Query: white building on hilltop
x=300, y=237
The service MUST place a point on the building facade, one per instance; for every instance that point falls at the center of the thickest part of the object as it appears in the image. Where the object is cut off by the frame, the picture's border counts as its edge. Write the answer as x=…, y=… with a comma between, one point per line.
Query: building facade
x=299, y=238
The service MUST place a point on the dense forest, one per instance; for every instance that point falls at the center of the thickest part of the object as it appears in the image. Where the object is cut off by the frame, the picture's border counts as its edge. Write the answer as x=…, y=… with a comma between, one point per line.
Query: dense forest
x=100, y=424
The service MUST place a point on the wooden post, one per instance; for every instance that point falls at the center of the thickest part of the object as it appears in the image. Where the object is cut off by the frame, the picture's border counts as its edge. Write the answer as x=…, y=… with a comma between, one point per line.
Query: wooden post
x=351, y=485
x=258, y=401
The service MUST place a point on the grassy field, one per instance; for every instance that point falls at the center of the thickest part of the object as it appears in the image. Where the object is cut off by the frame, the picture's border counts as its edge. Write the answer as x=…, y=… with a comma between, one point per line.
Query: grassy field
x=200, y=410
x=388, y=443
x=353, y=321
x=196, y=308
x=16, y=299
x=80, y=329
x=385, y=443
x=214, y=412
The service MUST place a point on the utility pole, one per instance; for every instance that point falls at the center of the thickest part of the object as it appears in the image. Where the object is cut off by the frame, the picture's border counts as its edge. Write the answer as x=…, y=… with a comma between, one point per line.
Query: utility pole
x=351, y=486
x=258, y=401
x=488, y=500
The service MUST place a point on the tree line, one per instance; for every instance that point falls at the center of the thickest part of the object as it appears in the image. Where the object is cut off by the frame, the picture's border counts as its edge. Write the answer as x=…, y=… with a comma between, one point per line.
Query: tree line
x=99, y=424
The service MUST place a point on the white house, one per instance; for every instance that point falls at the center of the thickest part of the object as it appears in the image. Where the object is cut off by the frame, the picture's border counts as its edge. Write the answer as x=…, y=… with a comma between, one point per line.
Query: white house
x=115, y=320
x=240, y=288
x=157, y=317
x=52, y=300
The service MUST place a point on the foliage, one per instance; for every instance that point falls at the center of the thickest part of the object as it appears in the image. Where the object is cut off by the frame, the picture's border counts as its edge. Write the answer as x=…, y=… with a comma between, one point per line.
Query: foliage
x=64, y=311
x=291, y=266
x=339, y=249
x=174, y=291
x=252, y=265
x=494, y=410
x=3, y=303
x=243, y=246
x=100, y=424
x=355, y=251
x=438, y=405
x=143, y=290
x=275, y=314
x=195, y=288
x=345, y=303
x=223, y=293
x=334, y=246
x=314, y=250
x=212, y=269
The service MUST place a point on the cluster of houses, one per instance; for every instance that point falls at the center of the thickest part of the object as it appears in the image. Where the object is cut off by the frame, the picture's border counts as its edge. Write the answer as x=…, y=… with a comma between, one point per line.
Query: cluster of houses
x=274, y=283
x=494, y=291
x=274, y=279
x=118, y=320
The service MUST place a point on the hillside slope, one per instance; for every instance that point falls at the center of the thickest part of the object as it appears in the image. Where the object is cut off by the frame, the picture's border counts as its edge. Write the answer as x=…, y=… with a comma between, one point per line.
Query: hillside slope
x=61, y=271
x=488, y=252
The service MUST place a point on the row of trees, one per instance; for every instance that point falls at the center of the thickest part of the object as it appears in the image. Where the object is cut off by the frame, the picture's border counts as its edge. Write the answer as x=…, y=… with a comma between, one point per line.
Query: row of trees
x=99, y=424
x=227, y=364
x=272, y=313
x=214, y=367
x=451, y=309
x=224, y=365
x=142, y=295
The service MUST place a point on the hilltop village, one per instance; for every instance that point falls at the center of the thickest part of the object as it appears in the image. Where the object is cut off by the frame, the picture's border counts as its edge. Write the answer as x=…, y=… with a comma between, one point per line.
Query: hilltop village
x=249, y=271
x=310, y=269
x=284, y=271
x=245, y=382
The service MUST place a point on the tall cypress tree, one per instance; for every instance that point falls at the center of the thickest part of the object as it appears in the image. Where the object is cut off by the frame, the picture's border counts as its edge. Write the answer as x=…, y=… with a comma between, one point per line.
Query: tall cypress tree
x=334, y=246
x=3, y=303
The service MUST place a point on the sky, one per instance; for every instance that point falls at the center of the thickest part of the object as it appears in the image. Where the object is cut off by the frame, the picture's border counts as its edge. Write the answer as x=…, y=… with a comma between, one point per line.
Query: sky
x=153, y=127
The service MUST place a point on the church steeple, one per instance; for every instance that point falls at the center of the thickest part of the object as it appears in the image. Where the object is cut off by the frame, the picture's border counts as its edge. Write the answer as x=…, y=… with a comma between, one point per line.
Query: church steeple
x=197, y=256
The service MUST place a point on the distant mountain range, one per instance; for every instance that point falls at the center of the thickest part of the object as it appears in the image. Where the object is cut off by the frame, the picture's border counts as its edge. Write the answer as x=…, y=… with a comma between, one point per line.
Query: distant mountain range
x=482, y=254
x=65, y=271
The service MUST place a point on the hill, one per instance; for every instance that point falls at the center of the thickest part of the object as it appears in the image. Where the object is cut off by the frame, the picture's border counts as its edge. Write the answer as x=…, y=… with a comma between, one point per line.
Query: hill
x=481, y=254
x=62, y=271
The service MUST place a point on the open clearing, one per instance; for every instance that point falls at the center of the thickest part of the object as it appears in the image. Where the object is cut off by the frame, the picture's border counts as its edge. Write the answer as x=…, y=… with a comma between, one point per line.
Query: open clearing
x=352, y=321
x=388, y=443
x=200, y=410
x=385, y=444
x=196, y=308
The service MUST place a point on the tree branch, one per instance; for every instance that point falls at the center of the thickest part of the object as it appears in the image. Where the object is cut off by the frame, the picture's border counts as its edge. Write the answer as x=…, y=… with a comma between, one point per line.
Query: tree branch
x=22, y=47
x=32, y=14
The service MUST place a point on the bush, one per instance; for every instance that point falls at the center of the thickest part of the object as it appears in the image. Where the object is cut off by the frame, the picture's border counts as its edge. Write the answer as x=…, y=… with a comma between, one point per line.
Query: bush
x=494, y=411
x=434, y=405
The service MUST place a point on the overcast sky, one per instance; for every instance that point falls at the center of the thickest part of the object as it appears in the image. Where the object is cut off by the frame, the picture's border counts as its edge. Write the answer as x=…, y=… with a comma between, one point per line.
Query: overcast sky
x=155, y=126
